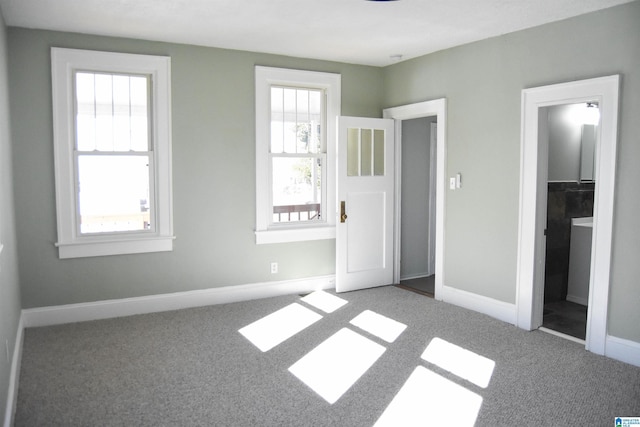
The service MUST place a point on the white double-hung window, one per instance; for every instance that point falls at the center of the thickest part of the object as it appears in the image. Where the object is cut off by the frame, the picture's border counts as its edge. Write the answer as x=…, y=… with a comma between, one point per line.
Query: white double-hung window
x=296, y=115
x=112, y=129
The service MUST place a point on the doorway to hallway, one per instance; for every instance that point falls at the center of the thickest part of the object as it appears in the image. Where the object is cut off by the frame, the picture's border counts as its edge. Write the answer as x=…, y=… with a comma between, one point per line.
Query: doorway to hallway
x=417, y=218
x=437, y=110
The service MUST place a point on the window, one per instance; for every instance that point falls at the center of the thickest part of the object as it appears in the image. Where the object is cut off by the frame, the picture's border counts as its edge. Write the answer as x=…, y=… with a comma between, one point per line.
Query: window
x=296, y=113
x=112, y=152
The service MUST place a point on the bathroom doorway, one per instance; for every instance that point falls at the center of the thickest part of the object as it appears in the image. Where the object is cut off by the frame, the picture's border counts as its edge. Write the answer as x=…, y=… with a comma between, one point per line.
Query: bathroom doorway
x=533, y=203
x=569, y=131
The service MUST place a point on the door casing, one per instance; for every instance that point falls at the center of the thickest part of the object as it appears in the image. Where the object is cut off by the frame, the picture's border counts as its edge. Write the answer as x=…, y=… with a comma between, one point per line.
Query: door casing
x=530, y=281
x=438, y=108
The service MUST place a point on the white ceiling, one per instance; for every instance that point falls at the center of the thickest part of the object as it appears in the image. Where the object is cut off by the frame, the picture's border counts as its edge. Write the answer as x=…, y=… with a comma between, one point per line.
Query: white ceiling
x=352, y=31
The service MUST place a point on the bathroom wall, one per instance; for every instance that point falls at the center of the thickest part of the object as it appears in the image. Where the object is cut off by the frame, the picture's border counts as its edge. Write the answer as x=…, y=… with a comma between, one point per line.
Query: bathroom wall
x=565, y=200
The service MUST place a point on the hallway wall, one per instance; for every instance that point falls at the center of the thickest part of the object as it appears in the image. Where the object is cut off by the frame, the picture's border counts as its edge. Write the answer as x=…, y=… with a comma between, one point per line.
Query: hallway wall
x=416, y=139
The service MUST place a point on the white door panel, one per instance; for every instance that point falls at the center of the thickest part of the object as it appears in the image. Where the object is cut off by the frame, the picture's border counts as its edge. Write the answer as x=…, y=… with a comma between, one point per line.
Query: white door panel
x=366, y=227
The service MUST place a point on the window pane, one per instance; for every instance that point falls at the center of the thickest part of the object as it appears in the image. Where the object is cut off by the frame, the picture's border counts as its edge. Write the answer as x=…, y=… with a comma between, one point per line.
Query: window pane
x=296, y=115
x=297, y=184
x=365, y=154
x=302, y=121
x=290, y=130
x=112, y=112
x=315, y=118
x=353, y=152
x=277, y=119
x=113, y=193
x=378, y=152
x=86, y=112
x=303, y=138
x=121, y=114
x=302, y=104
x=139, y=94
x=104, y=112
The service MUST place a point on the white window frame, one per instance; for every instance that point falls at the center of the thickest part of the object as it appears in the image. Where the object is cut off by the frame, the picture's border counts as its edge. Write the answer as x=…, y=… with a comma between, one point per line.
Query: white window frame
x=71, y=244
x=330, y=83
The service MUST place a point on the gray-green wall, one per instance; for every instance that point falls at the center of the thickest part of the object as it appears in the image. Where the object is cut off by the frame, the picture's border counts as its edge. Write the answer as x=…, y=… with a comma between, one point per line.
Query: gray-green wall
x=482, y=83
x=9, y=284
x=213, y=175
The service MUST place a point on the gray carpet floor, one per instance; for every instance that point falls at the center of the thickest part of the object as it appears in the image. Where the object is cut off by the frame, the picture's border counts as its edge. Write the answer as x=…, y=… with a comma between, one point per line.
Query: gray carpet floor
x=193, y=367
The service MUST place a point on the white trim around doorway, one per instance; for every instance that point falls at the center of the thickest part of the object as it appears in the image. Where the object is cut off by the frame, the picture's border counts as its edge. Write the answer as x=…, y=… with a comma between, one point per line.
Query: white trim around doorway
x=530, y=281
x=438, y=108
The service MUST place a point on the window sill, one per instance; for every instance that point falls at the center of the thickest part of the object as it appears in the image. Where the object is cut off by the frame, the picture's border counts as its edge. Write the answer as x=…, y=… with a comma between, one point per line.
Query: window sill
x=295, y=234
x=114, y=247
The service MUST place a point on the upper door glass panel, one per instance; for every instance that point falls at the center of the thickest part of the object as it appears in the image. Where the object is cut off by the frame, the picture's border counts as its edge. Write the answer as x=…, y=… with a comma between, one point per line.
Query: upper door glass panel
x=365, y=152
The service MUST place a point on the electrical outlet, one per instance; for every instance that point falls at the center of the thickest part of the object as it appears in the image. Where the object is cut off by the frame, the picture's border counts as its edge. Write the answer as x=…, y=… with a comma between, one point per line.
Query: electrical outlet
x=274, y=267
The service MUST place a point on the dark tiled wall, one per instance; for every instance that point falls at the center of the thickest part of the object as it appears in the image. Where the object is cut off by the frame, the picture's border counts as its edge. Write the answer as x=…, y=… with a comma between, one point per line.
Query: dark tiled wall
x=565, y=200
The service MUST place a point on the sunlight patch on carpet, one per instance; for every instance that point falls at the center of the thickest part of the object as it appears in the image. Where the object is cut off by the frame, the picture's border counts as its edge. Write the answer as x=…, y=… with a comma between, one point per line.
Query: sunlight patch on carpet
x=279, y=326
x=379, y=325
x=324, y=301
x=428, y=399
x=337, y=363
x=459, y=361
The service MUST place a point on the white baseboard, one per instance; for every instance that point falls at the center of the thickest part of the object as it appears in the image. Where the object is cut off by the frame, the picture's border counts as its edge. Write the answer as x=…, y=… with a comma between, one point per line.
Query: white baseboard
x=578, y=300
x=14, y=376
x=489, y=306
x=55, y=315
x=623, y=350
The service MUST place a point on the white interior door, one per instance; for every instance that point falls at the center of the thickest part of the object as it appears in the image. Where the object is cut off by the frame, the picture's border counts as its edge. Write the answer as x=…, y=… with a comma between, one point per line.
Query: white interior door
x=364, y=236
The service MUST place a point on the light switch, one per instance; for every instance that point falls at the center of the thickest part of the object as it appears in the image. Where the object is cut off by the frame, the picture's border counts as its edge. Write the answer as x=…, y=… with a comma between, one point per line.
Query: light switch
x=452, y=183
x=458, y=180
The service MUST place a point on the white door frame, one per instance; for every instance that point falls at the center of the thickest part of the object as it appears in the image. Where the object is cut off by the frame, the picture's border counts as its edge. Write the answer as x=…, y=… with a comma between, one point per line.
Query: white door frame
x=438, y=108
x=530, y=282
